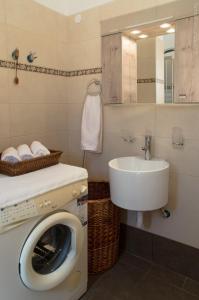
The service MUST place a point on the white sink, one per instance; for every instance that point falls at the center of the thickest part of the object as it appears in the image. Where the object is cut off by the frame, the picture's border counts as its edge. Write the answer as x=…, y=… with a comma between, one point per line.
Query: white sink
x=138, y=184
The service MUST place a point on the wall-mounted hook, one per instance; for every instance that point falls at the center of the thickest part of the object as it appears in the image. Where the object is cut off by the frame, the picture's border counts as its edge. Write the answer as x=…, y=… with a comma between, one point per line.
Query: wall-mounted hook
x=31, y=57
x=15, y=54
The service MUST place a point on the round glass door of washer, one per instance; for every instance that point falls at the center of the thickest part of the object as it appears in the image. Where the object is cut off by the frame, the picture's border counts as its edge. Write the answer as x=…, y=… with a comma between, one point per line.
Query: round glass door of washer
x=51, y=251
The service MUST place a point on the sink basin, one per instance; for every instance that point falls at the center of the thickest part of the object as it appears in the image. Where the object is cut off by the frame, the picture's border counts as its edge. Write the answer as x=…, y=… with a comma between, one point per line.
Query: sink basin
x=138, y=184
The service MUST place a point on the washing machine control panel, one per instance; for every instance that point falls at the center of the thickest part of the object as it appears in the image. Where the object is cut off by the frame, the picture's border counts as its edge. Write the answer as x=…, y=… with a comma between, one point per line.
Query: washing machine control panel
x=14, y=215
x=59, y=198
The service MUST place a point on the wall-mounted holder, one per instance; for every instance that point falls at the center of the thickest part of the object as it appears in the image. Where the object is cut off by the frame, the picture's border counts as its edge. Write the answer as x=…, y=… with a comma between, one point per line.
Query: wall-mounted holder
x=177, y=138
x=127, y=136
x=31, y=57
x=128, y=139
x=15, y=56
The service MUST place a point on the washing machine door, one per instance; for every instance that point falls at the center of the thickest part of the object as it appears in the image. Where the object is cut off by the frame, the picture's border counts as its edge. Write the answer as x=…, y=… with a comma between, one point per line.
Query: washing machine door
x=51, y=251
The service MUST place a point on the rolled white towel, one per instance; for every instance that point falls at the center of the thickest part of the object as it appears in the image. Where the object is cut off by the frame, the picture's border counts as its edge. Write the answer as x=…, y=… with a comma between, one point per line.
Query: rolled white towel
x=10, y=155
x=24, y=152
x=38, y=149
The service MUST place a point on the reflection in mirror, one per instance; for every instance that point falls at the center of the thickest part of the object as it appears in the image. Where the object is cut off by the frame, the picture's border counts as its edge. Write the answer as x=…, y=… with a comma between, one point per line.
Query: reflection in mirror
x=155, y=63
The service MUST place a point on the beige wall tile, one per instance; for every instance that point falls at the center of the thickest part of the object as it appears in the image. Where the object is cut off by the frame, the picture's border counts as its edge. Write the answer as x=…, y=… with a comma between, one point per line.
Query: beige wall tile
x=56, y=117
x=4, y=121
x=63, y=56
x=3, y=41
x=55, y=89
x=57, y=141
x=138, y=118
x=31, y=87
x=4, y=143
x=62, y=29
x=2, y=11
x=4, y=85
x=183, y=160
x=185, y=117
x=146, y=92
x=74, y=116
x=74, y=147
x=30, y=16
x=88, y=28
x=27, y=119
x=85, y=54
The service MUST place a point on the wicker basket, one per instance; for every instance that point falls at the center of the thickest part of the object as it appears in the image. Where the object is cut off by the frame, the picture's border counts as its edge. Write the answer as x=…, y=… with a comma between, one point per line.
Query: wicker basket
x=31, y=165
x=103, y=228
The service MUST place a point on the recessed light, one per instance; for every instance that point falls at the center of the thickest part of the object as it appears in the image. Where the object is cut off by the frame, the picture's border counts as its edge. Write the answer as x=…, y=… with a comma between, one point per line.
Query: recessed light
x=165, y=25
x=171, y=30
x=135, y=32
x=143, y=36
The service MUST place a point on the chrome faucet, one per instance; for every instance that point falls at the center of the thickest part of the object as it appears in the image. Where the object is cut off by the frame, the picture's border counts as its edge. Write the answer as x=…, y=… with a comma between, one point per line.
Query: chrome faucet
x=147, y=147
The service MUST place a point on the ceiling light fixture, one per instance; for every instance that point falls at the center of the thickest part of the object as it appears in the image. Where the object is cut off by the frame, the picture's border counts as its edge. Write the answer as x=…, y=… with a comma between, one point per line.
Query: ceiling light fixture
x=143, y=36
x=165, y=25
x=136, y=32
x=171, y=30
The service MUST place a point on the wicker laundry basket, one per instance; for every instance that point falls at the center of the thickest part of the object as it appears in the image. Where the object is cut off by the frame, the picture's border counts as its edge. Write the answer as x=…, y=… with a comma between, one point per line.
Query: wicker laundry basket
x=103, y=228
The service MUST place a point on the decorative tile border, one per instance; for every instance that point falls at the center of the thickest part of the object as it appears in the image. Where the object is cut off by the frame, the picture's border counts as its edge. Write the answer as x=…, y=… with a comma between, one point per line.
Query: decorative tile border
x=56, y=72
x=49, y=71
x=150, y=80
x=85, y=72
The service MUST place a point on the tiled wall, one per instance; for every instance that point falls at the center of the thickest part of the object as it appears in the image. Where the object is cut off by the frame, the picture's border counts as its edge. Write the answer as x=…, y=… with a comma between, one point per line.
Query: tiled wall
x=37, y=107
x=84, y=51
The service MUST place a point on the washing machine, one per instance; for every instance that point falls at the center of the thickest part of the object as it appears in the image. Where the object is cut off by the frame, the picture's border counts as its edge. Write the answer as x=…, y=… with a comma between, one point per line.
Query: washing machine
x=43, y=242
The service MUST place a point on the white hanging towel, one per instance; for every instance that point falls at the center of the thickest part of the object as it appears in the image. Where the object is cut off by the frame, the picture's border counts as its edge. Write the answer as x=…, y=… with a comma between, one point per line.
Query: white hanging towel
x=91, y=131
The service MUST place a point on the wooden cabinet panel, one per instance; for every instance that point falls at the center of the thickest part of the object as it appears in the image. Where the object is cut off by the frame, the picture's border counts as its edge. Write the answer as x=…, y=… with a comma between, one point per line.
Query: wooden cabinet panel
x=129, y=70
x=195, y=61
x=187, y=60
x=112, y=68
x=119, y=69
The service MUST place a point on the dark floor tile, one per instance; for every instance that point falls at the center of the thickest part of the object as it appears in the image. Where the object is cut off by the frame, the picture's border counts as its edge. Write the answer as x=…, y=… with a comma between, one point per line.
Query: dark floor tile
x=93, y=278
x=131, y=260
x=117, y=283
x=187, y=296
x=176, y=256
x=167, y=275
x=153, y=288
x=192, y=286
x=136, y=241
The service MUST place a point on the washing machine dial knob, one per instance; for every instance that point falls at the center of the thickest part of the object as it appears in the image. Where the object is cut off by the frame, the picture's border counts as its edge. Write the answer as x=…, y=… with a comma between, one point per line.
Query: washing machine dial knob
x=83, y=189
x=74, y=193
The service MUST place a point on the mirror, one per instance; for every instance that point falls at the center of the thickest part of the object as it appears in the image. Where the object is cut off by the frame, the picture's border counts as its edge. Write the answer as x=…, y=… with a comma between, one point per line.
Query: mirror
x=155, y=63
x=152, y=55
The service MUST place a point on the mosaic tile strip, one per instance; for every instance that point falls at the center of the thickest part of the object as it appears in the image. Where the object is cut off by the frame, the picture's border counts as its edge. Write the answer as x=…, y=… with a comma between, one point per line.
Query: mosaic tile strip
x=57, y=72
x=150, y=80
x=49, y=71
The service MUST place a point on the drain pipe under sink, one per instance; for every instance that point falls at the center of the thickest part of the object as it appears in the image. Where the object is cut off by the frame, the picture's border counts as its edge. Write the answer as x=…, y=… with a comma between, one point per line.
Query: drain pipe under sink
x=139, y=219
